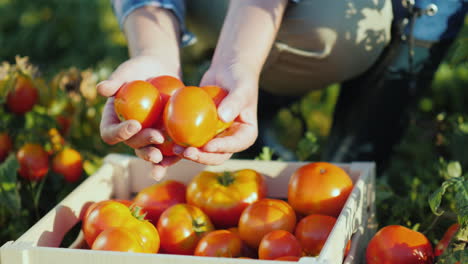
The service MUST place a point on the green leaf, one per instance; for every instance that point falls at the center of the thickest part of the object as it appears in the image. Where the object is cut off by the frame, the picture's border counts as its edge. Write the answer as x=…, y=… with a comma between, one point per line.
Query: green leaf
x=454, y=169
x=461, y=201
x=10, y=197
x=436, y=198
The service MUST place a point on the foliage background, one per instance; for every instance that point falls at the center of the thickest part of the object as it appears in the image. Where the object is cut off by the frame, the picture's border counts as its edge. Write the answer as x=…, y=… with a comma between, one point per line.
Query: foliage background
x=57, y=35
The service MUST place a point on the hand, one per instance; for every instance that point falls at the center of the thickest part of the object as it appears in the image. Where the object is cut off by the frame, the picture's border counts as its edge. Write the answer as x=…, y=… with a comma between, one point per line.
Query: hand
x=239, y=105
x=130, y=132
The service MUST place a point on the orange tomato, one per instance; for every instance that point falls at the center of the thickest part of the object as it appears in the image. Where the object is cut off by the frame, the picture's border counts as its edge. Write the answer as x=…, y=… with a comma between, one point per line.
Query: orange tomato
x=69, y=163
x=167, y=147
x=118, y=239
x=264, y=216
x=167, y=85
x=181, y=227
x=33, y=161
x=190, y=117
x=312, y=232
x=23, y=97
x=219, y=243
x=319, y=188
x=6, y=145
x=158, y=197
x=140, y=101
x=224, y=195
x=217, y=94
x=279, y=243
x=398, y=244
x=445, y=241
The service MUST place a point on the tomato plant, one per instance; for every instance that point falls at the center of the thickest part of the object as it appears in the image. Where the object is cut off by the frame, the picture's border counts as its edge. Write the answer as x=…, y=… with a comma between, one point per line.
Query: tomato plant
x=279, y=243
x=118, y=239
x=444, y=242
x=6, y=145
x=312, y=232
x=69, y=163
x=398, y=244
x=224, y=195
x=219, y=243
x=23, y=97
x=181, y=227
x=319, y=188
x=264, y=216
x=190, y=117
x=158, y=197
x=140, y=101
x=33, y=161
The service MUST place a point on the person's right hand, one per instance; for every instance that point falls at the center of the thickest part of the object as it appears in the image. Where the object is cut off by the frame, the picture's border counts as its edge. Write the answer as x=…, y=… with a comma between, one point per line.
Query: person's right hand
x=114, y=131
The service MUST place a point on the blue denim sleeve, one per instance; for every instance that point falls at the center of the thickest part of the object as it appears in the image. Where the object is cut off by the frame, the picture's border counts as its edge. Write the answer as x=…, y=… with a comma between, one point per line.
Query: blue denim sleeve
x=122, y=8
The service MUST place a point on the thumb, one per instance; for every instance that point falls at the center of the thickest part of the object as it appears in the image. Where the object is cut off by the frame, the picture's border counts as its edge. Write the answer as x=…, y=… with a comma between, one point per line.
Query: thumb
x=231, y=106
x=109, y=87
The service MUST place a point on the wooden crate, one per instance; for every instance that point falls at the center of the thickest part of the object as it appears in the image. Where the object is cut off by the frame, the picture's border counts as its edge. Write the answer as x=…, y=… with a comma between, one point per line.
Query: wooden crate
x=122, y=176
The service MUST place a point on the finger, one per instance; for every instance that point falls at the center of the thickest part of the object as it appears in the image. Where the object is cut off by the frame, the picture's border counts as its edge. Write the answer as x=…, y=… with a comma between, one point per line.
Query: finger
x=109, y=87
x=145, y=137
x=149, y=153
x=158, y=171
x=206, y=158
x=238, y=137
x=231, y=106
x=112, y=130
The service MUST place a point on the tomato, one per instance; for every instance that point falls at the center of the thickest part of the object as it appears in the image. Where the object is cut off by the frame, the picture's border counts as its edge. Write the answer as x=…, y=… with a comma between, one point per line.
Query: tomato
x=140, y=101
x=69, y=163
x=217, y=94
x=398, y=244
x=219, y=243
x=190, y=117
x=312, y=232
x=23, y=97
x=224, y=195
x=288, y=258
x=319, y=188
x=279, y=243
x=181, y=227
x=108, y=214
x=33, y=161
x=264, y=216
x=118, y=239
x=64, y=123
x=167, y=85
x=167, y=147
x=6, y=145
x=445, y=241
x=160, y=196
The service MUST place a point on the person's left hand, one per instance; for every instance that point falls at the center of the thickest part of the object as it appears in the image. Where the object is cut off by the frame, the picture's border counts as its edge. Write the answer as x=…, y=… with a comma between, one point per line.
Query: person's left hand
x=239, y=105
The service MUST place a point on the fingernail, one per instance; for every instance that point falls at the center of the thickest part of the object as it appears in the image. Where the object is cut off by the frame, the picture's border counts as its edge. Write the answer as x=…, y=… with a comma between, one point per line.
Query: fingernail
x=211, y=148
x=156, y=139
x=101, y=82
x=154, y=157
x=226, y=114
x=157, y=173
x=178, y=149
x=133, y=128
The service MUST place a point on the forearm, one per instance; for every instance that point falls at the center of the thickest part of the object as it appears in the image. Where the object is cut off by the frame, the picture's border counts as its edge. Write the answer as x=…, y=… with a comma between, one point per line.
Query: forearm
x=248, y=33
x=153, y=31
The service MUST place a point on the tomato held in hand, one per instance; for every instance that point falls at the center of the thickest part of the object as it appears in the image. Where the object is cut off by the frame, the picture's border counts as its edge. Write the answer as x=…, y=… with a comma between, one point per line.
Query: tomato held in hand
x=217, y=94
x=181, y=227
x=224, y=195
x=167, y=85
x=398, y=244
x=190, y=117
x=69, y=163
x=312, y=232
x=167, y=147
x=445, y=241
x=319, y=188
x=140, y=101
x=6, y=145
x=160, y=196
x=219, y=243
x=33, y=161
x=264, y=216
x=118, y=239
x=279, y=243
x=23, y=97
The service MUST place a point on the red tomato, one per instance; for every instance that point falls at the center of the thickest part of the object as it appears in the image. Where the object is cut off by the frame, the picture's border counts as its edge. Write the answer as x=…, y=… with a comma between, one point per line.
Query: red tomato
x=217, y=94
x=264, y=216
x=167, y=85
x=288, y=258
x=140, y=101
x=190, y=117
x=398, y=244
x=181, y=227
x=33, y=161
x=279, y=243
x=160, y=196
x=219, y=243
x=118, y=239
x=445, y=241
x=64, y=123
x=23, y=97
x=312, y=232
x=68, y=162
x=319, y=188
x=224, y=195
x=167, y=147
x=6, y=145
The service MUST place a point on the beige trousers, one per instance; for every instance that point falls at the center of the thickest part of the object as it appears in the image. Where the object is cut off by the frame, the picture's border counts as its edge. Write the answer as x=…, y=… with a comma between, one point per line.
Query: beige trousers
x=320, y=42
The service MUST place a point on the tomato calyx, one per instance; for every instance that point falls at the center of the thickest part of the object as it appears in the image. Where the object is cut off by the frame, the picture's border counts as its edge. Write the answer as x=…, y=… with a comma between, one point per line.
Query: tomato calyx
x=226, y=178
x=136, y=212
x=323, y=171
x=199, y=227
